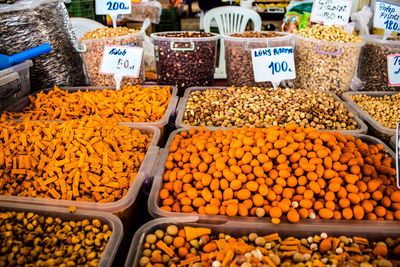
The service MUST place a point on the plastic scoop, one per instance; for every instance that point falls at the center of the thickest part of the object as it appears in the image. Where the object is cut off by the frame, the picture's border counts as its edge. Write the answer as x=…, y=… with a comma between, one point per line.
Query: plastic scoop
x=8, y=61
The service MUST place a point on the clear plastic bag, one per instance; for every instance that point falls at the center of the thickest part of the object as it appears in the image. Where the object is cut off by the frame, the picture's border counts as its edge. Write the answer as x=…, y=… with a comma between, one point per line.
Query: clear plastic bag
x=29, y=23
x=143, y=10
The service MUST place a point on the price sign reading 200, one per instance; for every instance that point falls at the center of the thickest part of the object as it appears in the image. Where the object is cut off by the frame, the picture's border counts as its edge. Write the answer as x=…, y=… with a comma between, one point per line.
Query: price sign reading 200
x=116, y=6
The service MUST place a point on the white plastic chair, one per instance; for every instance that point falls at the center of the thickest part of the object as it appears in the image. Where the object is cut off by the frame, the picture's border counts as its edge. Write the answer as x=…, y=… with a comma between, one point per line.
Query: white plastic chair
x=82, y=26
x=230, y=19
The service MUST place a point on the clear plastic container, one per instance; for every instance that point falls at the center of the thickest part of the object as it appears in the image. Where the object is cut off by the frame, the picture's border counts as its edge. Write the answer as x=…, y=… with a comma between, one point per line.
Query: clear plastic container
x=14, y=82
x=185, y=62
x=92, y=55
x=393, y=142
x=378, y=231
x=180, y=110
x=378, y=130
x=325, y=66
x=239, y=66
x=112, y=221
x=373, y=62
x=154, y=200
x=118, y=206
x=19, y=105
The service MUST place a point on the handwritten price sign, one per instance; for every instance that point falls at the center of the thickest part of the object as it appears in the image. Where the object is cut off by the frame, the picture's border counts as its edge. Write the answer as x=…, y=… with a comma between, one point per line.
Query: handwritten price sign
x=273, y=64
x=112, y=7
x=394, y=69
x=331, y=12
x=387, y=16
x=121, y=61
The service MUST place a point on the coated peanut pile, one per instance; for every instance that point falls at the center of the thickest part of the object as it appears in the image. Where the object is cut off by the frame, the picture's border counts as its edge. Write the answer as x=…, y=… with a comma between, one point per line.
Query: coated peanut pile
x=108, y=32
x=199, y=247
x=30, y=239
x=130, y=104
x=326, y=66
x=385, y=110
x=259, y=107
x=85, y=160
x=275, y=172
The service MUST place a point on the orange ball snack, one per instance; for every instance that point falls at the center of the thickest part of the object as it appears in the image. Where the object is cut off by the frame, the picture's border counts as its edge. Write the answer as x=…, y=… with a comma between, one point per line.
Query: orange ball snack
x=289, y=171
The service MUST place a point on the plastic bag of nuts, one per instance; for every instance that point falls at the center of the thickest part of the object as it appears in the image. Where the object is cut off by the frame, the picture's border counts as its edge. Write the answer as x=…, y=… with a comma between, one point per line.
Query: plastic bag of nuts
x=93, y=43
x=373, y=62
x=239, y=66
x=326, y=58
x=30, y=23
x=185, y=59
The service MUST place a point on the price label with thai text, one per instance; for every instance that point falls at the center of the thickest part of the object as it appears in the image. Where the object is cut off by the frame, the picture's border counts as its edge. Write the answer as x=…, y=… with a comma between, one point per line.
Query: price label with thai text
x=121, y=61
x=112, y=7
x=273, y=64
x=394, y=69
x=387, y=16
x=331, y=12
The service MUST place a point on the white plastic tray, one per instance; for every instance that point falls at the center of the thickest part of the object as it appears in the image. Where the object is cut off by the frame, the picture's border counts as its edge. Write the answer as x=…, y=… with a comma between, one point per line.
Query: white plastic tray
x=378, y=129
x=113, y=207
x=111, y=220
x=24, y=102
x=376, y=232
x=156, y=211
x=180, y=110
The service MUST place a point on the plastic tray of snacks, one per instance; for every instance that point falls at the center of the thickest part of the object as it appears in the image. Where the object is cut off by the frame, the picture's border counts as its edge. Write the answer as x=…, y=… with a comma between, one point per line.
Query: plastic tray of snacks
x=117, y=207
x=24, y=102
x=180, y=110
x=154, y=198
x=377, y=129
x=239, y=229
x=59, y=212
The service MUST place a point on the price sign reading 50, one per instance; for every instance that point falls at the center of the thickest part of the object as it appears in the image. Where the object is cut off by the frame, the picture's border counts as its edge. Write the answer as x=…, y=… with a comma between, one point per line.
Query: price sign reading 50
x=121, y=61
x=394, y=69
x=273, y=64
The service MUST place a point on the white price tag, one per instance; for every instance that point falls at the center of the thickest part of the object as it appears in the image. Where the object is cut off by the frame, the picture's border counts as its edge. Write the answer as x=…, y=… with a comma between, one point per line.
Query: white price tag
x=121, y=61
x=113, y=7
x=387, y=16
x=331, y=12
x=394, y=69
x=273, y=64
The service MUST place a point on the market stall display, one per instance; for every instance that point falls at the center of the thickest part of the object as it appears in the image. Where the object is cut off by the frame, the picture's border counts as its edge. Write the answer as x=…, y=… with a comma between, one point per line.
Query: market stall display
x=239, y=66
x=88, y=163
x=380, y=110
x=187, y=241
x=185, y=59
x=373, y=68
x=326, y=58
x=14, y=82
x=49, y=236
x=143, y=10
x=268, y=172
x=245, y=106
x=92, y=45
x=30, y=23
x=139, y=105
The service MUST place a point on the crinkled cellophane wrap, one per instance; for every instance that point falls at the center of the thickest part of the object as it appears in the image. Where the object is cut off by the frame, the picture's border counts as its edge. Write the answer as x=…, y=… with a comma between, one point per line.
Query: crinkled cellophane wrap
x=24, y=29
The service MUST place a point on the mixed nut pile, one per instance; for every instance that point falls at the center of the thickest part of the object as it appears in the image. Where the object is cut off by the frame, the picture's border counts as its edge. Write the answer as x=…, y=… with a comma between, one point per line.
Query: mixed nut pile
x=373, y=63
x=30, y=239
x=185, y=62
x=199, y=247
x=239, y=65
x=385, y=109
x=95, y=40
x=259, y=107
x=326, y=58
